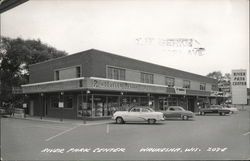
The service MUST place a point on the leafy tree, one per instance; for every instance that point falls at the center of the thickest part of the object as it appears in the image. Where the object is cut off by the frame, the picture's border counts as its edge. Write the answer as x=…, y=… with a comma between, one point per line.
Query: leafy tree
x=15, y=57
x=216, y=75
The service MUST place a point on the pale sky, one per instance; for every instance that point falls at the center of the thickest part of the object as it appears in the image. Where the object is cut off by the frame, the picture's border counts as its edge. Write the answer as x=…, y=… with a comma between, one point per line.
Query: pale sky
x=124, y=27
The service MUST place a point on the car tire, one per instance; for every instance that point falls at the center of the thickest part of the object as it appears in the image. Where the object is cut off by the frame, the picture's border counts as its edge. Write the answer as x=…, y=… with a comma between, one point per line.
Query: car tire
x=151, y=121
x=184, y=117
x=119, y=120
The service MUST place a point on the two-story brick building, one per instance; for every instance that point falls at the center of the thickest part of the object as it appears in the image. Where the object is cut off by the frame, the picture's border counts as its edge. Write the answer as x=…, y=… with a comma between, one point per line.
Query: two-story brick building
x=102, y=82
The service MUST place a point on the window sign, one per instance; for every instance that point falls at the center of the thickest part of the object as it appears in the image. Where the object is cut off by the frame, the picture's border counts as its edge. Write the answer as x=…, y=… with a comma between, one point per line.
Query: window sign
x=60, y=104
x=239, y=86
x=25, y=105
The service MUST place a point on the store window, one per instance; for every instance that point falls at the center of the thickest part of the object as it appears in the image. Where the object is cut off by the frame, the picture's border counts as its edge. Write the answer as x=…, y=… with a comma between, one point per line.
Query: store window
x=100, y=107
x=57, y=75
x=83, y=107
x=113, y=105
x=67, y=73
x=170, y=82
x=116, y=73
x=147, y=78
x=203, y=86
x=78, y=72
x=186, y=84
x=68, y=101
x=54, y=100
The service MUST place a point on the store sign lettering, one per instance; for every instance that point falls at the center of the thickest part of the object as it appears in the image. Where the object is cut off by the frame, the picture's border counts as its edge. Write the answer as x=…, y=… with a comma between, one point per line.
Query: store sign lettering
x=239, y=79
x=102, y=84
x=180, y=91
x=239, y=86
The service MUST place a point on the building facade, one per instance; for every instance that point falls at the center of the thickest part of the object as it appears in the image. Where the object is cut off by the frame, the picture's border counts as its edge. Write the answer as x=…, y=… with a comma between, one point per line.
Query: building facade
x=95, y=84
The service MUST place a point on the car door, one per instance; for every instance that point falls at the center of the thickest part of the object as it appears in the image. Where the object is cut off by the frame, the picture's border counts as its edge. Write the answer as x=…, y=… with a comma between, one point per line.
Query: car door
x=134, y=115
x=177, y=112
x=146, y=114
x=170, y=112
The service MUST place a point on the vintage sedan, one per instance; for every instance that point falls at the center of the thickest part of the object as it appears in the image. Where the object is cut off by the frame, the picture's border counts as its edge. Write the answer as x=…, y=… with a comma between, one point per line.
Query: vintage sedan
x=138, y=114
x=177, y=112
x=231, y=108
x=214, y=109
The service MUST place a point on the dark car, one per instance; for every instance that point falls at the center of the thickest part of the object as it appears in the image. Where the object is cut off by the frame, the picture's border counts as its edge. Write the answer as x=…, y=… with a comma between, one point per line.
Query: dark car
x=4, y=112
x=214, y=109
x=177, y=112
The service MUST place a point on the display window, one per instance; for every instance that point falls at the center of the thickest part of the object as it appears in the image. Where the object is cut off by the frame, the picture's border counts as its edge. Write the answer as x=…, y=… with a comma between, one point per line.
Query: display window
x=83, y=107
x=113, y=105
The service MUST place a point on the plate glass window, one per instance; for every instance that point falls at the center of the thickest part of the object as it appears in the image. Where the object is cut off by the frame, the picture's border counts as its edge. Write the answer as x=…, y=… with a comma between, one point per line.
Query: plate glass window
x=147, y=78
x=116, y=73
x=203, y=86
x=186, y=84
x=170, y=82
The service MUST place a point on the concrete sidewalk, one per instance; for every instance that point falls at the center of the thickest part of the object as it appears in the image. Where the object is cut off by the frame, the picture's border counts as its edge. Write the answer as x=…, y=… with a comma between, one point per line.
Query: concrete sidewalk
x=64, y=121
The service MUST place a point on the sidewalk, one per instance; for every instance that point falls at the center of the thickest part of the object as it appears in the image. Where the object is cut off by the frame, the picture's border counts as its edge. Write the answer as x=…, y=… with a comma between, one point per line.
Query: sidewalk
x=64, y=121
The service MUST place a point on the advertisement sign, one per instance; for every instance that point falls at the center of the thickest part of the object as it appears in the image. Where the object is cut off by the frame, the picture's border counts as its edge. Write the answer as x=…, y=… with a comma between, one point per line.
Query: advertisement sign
x=180, y=90
x=239, y=86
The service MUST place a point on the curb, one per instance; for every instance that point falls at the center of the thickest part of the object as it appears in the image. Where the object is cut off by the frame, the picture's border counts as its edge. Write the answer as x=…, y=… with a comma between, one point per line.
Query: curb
x=77, y=122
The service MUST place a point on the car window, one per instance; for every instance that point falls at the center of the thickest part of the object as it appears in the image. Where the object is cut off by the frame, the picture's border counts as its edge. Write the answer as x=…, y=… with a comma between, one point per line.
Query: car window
x=135, y=110
x=171, y=109
x=145, y=110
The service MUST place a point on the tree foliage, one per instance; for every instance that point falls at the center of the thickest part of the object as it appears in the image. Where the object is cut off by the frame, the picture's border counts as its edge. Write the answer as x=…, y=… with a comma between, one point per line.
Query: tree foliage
x=15, y=57
x=219, y=76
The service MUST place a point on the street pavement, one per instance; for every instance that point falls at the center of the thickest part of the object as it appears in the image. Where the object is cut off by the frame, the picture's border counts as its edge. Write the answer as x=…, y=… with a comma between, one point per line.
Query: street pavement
x=210, y=137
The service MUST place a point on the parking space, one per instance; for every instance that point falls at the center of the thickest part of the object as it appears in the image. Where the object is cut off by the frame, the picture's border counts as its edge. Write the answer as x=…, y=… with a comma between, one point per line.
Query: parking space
x=205, y=137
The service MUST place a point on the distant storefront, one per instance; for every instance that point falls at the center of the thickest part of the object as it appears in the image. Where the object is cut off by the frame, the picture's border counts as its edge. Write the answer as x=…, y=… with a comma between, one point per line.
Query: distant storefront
x=95, y=84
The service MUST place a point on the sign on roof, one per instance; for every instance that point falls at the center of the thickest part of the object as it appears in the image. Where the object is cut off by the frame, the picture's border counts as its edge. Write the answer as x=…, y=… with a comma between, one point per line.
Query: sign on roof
x=239, y=86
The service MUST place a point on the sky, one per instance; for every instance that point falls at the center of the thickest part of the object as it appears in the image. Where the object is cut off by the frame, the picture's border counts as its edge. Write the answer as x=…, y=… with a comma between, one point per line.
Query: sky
x=155, y=31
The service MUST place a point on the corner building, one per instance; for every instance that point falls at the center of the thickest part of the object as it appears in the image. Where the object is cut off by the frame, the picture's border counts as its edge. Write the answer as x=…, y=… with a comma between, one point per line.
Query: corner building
x=95, y=84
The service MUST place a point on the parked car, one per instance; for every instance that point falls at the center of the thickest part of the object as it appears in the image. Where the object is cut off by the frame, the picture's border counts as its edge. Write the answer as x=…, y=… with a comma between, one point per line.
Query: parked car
x=231, y=108
x=177, y=112
x=214, y=109
x=4, y=112
x=138, y=114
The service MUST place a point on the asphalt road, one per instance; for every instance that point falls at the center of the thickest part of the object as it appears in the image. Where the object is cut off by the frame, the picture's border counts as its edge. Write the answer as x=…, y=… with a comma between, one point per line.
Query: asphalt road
x=206, y=137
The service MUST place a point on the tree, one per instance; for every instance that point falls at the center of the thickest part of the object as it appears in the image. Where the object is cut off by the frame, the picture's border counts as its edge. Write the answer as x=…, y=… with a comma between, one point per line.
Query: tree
x=15, y=57
x=216, y=75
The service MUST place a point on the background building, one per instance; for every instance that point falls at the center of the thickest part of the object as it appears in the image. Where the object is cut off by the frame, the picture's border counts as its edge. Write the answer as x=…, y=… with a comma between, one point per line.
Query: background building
x=96, y=83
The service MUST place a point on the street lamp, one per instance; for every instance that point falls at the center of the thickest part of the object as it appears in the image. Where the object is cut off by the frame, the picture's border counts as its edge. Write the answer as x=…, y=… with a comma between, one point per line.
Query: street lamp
x=25, y=104
x=149, y=103
x=41, y=115
x=61, y=104
x=85, y=109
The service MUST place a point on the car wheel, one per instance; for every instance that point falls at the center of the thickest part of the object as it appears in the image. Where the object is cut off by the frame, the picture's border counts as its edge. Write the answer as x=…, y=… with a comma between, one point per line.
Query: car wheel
x=223, y=113
x=119, y=120
x=184, y=117
x=151, y=121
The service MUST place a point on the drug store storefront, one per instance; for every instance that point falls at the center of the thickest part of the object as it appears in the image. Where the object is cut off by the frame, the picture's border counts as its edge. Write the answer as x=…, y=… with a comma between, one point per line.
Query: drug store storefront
x=99, y=97
x=91, y=97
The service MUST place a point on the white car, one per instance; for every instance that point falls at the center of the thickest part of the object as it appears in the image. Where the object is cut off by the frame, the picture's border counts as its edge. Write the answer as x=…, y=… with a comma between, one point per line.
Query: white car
x=138, y=114
x=231, y=108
